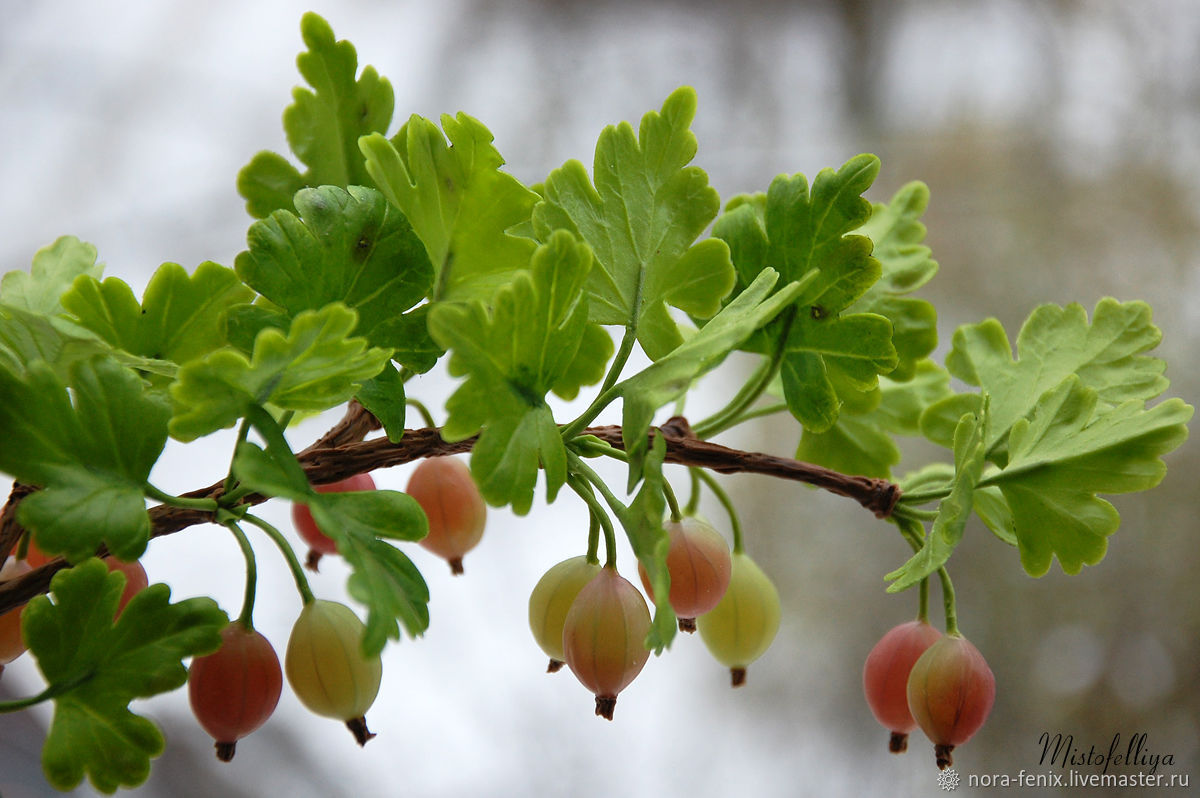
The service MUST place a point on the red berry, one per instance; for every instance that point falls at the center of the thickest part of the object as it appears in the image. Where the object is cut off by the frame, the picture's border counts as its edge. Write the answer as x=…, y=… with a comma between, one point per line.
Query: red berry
x=444, y=488
x=699, y=564
x=135, y=579
x=235, y=689
x=11, y=643
x=604, y=637
x=318, y=542
x=885, y=677
x=951, y=690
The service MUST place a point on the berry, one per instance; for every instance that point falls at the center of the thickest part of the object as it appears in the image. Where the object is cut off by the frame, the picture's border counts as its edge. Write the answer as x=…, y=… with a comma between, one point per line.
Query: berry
x=951, y=690
x=327, y=669
x=444, y=488
x=885, y=677
x=11, y=643
x=136, y=579
x=318, y=542
x=551, y=599
x=603, y=637
x=741, y=627
x=699, y=564
x=235, y=689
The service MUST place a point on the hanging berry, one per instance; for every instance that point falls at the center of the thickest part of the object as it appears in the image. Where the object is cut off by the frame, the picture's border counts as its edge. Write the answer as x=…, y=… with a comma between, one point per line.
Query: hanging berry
x=550, y=601
x=235, y=689
x=700, y=566
x=951, y=690
x=885, y=678
x=444, y=488
x=742, y=626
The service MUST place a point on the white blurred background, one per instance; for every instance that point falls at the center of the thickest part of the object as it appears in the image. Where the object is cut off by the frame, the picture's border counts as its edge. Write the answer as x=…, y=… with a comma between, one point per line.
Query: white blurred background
x=1059, y=141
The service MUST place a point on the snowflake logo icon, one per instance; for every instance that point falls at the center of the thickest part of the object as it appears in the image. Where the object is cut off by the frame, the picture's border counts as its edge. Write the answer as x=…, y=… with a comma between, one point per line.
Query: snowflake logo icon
x=948, y=780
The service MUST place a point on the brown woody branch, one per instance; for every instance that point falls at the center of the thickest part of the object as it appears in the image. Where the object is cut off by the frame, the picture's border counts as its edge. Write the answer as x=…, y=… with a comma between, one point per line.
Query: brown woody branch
x=342, y=452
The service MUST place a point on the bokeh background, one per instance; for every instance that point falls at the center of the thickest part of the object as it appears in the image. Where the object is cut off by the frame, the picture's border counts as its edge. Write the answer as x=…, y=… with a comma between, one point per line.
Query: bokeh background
x=1058, y=138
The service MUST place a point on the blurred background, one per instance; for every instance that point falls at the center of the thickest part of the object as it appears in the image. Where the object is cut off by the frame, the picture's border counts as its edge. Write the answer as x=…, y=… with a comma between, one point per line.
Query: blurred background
x=1058, y=138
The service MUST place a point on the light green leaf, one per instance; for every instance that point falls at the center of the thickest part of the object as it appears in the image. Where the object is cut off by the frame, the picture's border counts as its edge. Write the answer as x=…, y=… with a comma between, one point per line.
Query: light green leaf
x=861, y=442
x=90, y=447
x=1071, y=448
x=799, y=232
x=955, y=509
x=642, y=218
x=323, y=124
x=315, y=367
x=383, y=578
x=512, y=355
x=54, y=268
x=103, y=666
x=348, y=246
x=906, y=265
x=1054, y=343
x=459, y=202
x=671, y=376
x=643, y=524
x=180, y=317
x=27, y=338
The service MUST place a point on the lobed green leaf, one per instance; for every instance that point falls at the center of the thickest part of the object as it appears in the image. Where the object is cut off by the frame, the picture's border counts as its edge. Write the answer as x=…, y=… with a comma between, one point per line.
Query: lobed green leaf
x=642, y=218
x=459, y=202
x=100, y=666
x=323, y=124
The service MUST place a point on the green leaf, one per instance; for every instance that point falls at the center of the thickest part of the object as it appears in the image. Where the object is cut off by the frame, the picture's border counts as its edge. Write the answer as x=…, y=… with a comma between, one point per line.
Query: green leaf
x=315, y=367
x=672, y=376
x=643, y=524
x=345, y=246
x=179, y=319
x=383, y=396
x=642, y=218
x=27, y=338
x=101, y=666
x=323, y=125
x=459, y=202
x=861, y=442
x=54, y=268
x=797, y=232
x=512, y=356
x=1071, y=448
x=906, y=265
x=90, y=447
x=1054, y=343
x=383, y=578
x=955, y=509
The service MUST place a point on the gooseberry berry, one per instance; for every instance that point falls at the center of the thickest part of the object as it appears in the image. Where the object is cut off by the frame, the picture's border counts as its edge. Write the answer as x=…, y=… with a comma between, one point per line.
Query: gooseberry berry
x=444, y=488
x=12, y=645
x=603, y=637
x=550, y=600
x=699, y=564
x=235, y=689
x=951, y=690
x=136, y=579
x=320, y=544
x=742, y=626
x=885, y=678
x=327, y=669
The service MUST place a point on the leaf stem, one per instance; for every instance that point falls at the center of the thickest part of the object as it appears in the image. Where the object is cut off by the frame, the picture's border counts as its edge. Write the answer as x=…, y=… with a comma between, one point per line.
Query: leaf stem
x=593, y=538
x=607, y=393
x=753, y=388
x=52, y=691
x=247, y=615
x=289, y=554
x=693, y=504
x=734, y=521
x=420, y=407
x=230, y=480
x=204, y=505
